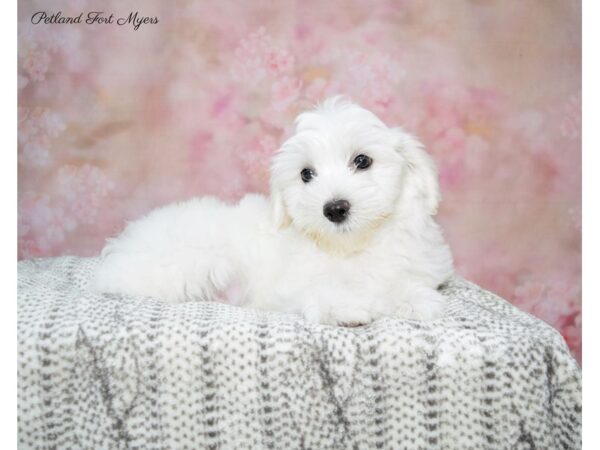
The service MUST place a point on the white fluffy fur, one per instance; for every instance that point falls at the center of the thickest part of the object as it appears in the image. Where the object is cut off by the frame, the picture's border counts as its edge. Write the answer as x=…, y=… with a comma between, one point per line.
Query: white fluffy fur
x=281, y=253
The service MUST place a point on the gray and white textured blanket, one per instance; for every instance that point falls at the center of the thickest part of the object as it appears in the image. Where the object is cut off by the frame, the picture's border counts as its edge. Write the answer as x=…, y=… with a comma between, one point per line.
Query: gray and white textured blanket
x=109, y=372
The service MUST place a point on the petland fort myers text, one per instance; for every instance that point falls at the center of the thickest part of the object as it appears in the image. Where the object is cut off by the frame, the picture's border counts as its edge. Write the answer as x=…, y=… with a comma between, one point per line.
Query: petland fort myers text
x=134, y=19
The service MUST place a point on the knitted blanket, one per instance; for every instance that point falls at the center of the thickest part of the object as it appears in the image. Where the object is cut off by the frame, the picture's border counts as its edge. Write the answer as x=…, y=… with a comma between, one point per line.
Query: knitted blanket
x=110, y=372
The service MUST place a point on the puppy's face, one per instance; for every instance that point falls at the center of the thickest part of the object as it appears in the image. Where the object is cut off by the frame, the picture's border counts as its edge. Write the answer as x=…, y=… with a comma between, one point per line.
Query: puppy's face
x=344, y=172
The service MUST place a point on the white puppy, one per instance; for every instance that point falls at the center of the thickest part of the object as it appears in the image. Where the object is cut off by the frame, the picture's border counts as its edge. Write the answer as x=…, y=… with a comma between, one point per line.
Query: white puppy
x=347, y=236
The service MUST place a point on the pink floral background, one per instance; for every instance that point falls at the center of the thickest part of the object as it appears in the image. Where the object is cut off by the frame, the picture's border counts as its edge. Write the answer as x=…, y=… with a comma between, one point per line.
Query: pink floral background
x=113, y=122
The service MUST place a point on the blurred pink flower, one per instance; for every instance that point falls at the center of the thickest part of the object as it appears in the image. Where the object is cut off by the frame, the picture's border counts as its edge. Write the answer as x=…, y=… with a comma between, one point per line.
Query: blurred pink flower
x=28, y=124
x=46, y=220
x=85, y=179
x=279, y=61
x=22, y=82
x=256, y=158
x=369, y=77
x=529, y=294
x=44, y=223
x=572, y=335
x=39, y=124
x=35, y=155
x=36, y=64
x=554, y=302
x=51, y=123
x=257, y=57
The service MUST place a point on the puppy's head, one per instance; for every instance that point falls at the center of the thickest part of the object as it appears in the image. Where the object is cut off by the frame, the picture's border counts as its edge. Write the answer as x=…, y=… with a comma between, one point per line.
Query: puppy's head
x=344, y=173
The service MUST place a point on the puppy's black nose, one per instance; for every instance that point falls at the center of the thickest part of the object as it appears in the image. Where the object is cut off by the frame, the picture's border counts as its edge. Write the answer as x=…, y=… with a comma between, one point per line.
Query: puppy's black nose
x=336, y=210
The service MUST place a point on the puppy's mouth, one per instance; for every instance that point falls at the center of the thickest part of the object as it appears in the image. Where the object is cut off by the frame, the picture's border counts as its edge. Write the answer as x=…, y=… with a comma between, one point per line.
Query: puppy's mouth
x=352, y=228
x=342, y=238
x=353, y=225
x=342, y=228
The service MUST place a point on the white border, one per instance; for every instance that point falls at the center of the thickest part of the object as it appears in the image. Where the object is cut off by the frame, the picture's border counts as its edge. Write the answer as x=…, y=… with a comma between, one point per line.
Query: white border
x=591, y=222
x=8, y=225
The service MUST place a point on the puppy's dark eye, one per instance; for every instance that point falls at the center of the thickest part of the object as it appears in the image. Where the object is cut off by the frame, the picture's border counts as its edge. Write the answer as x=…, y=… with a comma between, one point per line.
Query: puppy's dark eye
x=362, y=162
x=307, y=175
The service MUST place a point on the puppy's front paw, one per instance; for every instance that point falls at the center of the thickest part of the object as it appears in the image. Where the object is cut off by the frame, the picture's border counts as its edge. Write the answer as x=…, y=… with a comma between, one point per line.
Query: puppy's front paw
x=429, y=305
x=351, y=317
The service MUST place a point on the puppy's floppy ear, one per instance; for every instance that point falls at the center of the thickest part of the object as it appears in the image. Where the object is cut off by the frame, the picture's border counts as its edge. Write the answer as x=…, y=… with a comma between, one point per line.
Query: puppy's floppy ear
x=279, y=214
x=421, y=183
